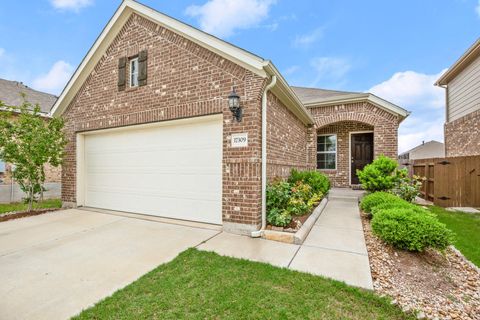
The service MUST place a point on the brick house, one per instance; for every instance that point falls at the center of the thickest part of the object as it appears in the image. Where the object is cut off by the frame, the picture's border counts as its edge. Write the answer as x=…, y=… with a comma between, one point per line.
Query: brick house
x=151, y=130
x=462, y=85
x=11, y=94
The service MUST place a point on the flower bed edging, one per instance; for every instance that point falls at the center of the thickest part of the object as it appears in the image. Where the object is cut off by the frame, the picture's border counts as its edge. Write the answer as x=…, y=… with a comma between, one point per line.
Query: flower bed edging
x=299, y=236
x=22, y=214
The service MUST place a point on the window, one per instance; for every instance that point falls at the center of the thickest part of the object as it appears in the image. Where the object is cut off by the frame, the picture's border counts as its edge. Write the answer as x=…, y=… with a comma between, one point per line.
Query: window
x=327, y=151
x=134, y=72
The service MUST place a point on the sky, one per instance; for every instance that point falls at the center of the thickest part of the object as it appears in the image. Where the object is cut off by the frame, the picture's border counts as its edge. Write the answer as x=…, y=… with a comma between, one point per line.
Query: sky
x=394, y=49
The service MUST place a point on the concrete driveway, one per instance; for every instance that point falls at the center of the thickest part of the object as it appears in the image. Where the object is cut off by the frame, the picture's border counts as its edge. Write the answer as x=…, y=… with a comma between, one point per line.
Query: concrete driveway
x=54, y=265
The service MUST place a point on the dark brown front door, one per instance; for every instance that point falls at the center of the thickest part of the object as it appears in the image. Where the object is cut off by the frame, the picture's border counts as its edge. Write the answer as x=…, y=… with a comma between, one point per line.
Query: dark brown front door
x=361, y=153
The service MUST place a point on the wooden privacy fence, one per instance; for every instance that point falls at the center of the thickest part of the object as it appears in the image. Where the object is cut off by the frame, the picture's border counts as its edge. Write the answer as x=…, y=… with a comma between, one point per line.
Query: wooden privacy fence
x=451, y=181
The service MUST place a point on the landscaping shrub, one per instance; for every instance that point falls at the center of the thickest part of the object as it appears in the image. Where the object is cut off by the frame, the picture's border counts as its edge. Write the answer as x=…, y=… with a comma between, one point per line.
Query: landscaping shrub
x=285, y=200
x=278, y=217
x=380, y=175
x=374, y=199
x=278, y=194
x=407, y=188
x=397, y=205
x=407, y=229
x=317, y=180
x=298, y=203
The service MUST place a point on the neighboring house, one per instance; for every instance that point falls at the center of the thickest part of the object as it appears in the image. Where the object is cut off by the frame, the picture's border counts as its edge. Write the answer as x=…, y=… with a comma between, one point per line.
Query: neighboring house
x=462, y=84
x=151, y=131
x=430, y=149
x=11, y=94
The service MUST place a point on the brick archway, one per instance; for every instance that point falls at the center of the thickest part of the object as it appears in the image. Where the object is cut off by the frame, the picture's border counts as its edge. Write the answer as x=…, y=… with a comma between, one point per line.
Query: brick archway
x=356, y=117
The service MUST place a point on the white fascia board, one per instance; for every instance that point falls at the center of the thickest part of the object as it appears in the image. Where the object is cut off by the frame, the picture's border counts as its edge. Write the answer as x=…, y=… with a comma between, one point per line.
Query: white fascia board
x=237, y=55
x=388, y=106
x=220, y=47
x=90, y=60
x=284, y=92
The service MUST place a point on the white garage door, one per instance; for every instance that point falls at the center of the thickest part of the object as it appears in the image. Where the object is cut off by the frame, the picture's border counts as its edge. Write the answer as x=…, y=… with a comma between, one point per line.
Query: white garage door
x=172, y=169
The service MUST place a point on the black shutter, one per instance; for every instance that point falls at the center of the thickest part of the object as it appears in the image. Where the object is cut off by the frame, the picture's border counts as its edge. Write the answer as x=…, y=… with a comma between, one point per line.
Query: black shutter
x=142, y=68
x=122, y=69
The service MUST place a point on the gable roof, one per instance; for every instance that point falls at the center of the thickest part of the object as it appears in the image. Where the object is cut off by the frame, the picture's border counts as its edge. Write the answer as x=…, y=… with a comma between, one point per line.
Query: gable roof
x=249, y=61
x=423, y=145
x=471, y=54
x=11, y=95
x=314, y=97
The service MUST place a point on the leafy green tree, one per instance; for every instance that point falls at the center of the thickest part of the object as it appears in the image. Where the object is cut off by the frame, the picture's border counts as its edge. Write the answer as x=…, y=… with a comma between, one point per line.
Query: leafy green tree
x=29, y=142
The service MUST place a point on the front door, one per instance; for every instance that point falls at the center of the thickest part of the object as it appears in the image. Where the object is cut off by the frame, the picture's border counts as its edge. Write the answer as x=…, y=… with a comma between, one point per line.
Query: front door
x=361, y=153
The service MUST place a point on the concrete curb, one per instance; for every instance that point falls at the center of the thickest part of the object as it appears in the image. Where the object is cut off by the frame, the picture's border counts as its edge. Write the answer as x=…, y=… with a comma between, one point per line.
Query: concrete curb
x=299, y=236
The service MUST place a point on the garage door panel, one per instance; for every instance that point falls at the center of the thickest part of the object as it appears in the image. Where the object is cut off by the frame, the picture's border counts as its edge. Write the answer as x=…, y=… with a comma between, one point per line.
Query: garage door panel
x=173, y=170
x=173, y=182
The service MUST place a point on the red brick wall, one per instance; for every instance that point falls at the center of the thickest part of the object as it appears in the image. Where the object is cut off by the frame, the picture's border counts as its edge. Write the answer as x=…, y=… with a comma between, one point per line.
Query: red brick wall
x=357, y=117
x=462, y=136
x=184, y=80
x=288, y=141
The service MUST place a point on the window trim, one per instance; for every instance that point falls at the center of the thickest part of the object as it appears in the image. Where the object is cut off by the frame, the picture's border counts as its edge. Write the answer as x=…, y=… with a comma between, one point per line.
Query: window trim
x=328, y=152
x=130, y=73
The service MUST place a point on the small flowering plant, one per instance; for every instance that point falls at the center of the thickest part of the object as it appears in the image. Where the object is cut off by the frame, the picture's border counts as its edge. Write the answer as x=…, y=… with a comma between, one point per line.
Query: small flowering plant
x=408, y=188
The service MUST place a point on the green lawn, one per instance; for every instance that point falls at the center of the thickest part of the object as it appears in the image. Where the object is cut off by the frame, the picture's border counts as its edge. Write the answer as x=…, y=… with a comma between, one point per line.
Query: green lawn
x=18, y=206
x=204, y=285
x=467, y=231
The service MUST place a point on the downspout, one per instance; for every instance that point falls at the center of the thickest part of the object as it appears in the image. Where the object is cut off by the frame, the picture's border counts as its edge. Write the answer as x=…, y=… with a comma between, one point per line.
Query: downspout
x=258, y=233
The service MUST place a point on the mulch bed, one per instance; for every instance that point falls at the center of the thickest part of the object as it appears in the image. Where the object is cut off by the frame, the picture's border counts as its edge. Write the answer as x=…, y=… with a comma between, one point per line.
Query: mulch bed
x=22, y=214
x=438, y=286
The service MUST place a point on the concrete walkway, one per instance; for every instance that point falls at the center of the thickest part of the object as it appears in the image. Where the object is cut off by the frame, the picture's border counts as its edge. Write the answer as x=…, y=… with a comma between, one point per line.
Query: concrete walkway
x=335, y=247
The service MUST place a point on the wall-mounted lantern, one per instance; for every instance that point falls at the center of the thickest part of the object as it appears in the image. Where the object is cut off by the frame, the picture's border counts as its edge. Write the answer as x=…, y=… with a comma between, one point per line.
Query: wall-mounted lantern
x=234, y=104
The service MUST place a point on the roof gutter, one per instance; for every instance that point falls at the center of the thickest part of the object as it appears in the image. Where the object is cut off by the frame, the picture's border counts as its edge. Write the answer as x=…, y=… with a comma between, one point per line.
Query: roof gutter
x=470, y=55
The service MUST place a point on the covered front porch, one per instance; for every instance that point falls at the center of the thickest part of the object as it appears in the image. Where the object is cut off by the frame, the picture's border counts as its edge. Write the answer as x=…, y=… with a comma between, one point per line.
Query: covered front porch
x=342, y=149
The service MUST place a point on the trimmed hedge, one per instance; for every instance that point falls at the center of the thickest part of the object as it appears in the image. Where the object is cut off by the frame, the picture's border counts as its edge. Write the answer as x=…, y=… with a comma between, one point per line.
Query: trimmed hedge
x=407, y=229
x=397, y=205
x=374, y=199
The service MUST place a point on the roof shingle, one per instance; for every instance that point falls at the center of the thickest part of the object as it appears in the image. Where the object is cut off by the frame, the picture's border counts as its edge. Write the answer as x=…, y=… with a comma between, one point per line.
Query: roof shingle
x=10, y=94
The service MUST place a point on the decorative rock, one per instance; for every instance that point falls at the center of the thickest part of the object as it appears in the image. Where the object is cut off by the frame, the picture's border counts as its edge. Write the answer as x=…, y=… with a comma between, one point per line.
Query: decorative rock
x=438, y=286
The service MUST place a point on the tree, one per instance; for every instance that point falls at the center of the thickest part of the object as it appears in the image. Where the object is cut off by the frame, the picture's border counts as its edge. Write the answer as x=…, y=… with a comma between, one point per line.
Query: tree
x=29, y=142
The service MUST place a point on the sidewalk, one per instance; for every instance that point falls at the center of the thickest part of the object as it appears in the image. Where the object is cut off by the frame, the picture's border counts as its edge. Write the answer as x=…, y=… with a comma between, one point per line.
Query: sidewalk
x=335, y=247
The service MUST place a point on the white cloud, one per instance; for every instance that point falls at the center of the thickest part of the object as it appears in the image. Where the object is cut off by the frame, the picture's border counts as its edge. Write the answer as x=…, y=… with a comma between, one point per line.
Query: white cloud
x=55, y=79
x=223, y=17
x=74, y=5
x=416, y=92
x=308, y=39
x=291, y=70
x=414, y=130
x=409, y=88
x=329, y=70
x=477, y=8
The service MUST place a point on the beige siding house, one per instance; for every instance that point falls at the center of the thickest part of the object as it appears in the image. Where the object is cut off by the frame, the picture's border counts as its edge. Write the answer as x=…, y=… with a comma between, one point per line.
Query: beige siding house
x=430, y=149
x=462, y=84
